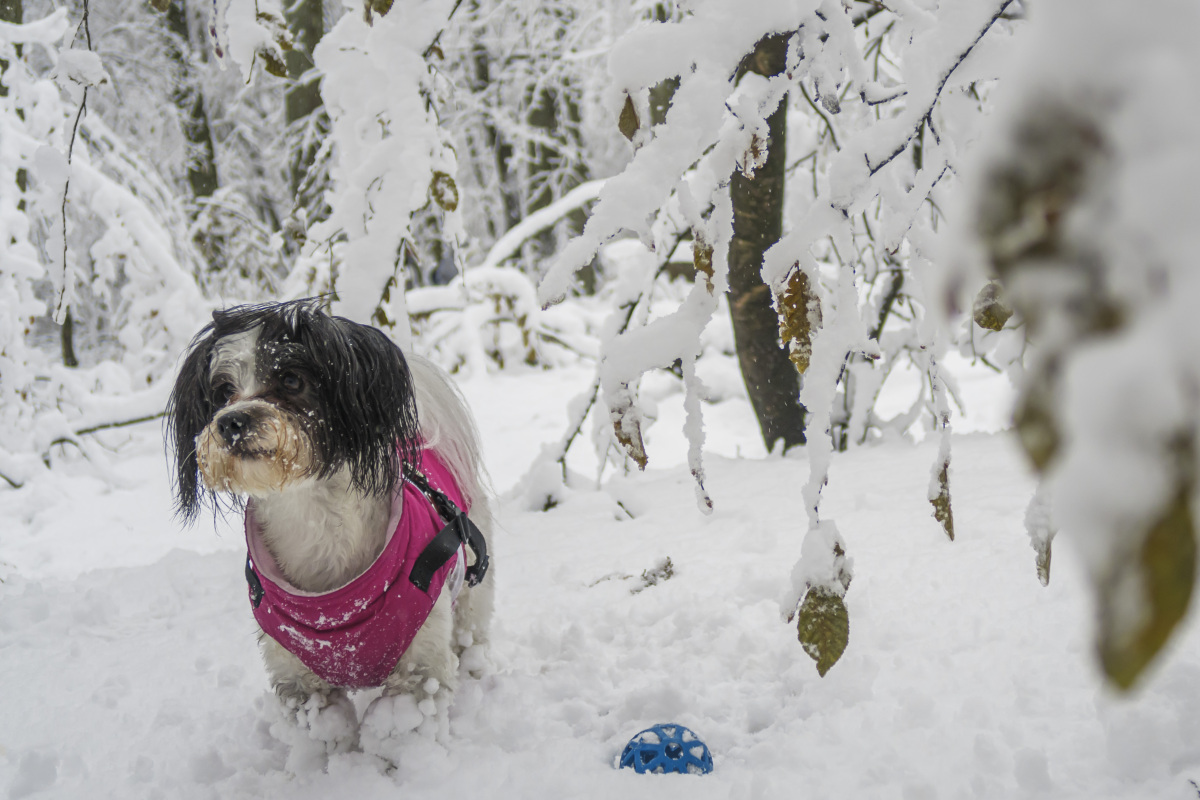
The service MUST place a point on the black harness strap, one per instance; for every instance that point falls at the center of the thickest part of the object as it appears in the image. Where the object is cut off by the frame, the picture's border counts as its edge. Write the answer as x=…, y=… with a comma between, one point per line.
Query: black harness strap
x=256, y=587
x=459, y=530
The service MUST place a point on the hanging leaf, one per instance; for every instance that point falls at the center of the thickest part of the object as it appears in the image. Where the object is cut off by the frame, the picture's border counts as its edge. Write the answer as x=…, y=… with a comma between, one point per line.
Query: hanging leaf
x=444, y=191
x=371, y=7
x=272, y=52
x=799, y=317
x=941, y=500
x=627, y=426
x=1161, y=576
x=702, y=255
x=1044, y=554
x=1040, y=527
x=990, y=311
x=754, y=157
x=1034, y=417
x=823, y=627
x=628, y=122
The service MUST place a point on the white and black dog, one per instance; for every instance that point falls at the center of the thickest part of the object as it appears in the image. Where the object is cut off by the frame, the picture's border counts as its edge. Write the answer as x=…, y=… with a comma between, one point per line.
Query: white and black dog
x=351, y=463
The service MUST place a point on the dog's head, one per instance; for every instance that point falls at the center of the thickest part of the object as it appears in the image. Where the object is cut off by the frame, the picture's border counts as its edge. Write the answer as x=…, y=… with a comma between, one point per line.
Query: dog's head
x=272, y=395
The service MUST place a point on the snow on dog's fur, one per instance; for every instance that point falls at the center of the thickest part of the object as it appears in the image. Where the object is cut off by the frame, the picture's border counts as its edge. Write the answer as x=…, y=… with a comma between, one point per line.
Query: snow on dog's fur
x=314, y=417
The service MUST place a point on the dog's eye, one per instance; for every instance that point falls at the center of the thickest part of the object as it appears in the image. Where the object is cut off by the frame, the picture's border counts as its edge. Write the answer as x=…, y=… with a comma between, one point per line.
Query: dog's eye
x=224, y=393
x=291, y=382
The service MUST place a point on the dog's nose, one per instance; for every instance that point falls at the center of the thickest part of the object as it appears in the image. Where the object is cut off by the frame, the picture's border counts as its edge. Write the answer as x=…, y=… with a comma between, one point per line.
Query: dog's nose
x=233, y=426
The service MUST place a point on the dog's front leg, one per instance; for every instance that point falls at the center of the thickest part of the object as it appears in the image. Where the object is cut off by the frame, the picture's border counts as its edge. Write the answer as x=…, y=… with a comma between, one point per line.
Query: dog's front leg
x=318, y=719
x=416, y=696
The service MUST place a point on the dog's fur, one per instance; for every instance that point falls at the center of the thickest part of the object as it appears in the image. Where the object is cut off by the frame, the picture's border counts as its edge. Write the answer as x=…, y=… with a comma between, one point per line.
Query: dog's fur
x=303, y=412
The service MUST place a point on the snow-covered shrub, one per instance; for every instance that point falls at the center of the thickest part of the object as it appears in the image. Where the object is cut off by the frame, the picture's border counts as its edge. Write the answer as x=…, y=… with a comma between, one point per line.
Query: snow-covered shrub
x=390, y=160
x=85, y=226
x=490, y=316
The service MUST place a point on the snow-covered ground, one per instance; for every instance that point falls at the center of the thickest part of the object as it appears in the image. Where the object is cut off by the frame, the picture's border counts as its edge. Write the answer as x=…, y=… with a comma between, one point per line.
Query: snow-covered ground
x=130, y=670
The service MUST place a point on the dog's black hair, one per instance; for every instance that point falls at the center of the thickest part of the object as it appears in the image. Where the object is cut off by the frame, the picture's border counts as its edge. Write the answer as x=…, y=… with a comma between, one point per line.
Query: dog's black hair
x=366, y=413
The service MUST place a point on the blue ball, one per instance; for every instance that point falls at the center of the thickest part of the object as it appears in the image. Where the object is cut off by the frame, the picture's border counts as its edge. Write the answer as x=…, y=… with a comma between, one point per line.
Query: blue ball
x=667, y=748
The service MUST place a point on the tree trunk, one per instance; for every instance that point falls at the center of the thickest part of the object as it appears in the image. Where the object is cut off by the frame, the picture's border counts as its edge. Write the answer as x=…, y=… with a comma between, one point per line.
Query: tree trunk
x=771, y=379
x=501, y=150
x=201, y=157
x=306, y=21
x=13, y=11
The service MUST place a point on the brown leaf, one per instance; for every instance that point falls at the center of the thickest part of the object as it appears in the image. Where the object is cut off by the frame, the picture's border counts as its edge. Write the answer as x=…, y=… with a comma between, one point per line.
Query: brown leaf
x=799, y=317
x=444, y=191
x=628, y=122
x=941, y=501
x=371, y=7
x=627, y=427
x=702, y=255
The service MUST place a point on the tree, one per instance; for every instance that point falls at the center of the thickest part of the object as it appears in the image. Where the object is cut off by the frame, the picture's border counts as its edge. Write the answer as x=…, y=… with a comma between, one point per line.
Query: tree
x=189, y=99
x=771, y=379
x=304, y=111
x=856, y=250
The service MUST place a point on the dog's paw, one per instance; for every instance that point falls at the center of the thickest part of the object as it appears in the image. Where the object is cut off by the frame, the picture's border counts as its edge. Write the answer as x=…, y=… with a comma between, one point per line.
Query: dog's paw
x=331, y=720
x=406, y=724
x=314, y=729
x=475, y=661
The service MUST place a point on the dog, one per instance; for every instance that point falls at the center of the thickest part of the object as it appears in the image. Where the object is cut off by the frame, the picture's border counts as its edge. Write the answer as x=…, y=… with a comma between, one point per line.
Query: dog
x=353, y=465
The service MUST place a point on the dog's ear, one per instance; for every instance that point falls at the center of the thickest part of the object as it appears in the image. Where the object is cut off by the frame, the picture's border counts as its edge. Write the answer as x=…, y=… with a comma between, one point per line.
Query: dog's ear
x=371, y=407
x=189, y=409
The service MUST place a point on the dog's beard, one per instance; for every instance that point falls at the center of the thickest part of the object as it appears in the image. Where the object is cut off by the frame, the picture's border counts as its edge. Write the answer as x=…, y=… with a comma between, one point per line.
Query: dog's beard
x=275, y=454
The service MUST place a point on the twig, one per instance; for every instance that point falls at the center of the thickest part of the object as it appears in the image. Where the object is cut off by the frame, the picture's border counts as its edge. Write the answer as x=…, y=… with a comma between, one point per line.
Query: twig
x=123, y=424
x=825, y=119
x=874, y=168
x=87, y=30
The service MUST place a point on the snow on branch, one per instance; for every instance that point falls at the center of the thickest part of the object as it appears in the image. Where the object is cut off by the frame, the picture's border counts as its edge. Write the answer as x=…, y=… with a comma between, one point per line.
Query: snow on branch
x=391, y=159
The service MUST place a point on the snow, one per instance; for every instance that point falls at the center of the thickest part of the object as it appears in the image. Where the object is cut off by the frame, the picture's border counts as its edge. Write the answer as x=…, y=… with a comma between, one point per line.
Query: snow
x=128, y=649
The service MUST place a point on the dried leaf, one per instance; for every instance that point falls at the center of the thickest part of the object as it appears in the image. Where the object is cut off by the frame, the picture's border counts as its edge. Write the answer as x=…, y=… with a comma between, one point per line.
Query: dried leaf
x=627, y=426
x=272, y=61
x=379, y=7
x=990, y=311
x=1044, y=554
x=702, y=255
x=444, y=191
x=272, y=52
x=662, y=571
x=1039, y=524
x=941, y=501
x=799, y=318
x=1163, y=573
x=160, y=6
x=628, y=122
x=754, y=157
x=823, y=627
x=1034, y=417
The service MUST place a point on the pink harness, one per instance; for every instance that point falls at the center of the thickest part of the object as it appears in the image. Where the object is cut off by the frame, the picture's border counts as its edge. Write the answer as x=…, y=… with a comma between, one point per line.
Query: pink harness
x=353, y=636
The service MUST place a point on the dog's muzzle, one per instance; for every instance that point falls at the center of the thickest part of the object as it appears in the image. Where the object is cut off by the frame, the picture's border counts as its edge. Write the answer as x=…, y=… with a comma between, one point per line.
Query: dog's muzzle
x=254, y=447
x=233, y=426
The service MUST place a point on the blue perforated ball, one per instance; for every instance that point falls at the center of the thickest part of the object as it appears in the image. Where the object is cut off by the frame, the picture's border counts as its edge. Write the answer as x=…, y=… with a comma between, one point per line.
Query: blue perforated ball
x=667, y=748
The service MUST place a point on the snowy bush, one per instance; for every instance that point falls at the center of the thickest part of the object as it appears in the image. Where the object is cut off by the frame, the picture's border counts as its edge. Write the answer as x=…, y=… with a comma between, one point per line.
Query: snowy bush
x=85, y=226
